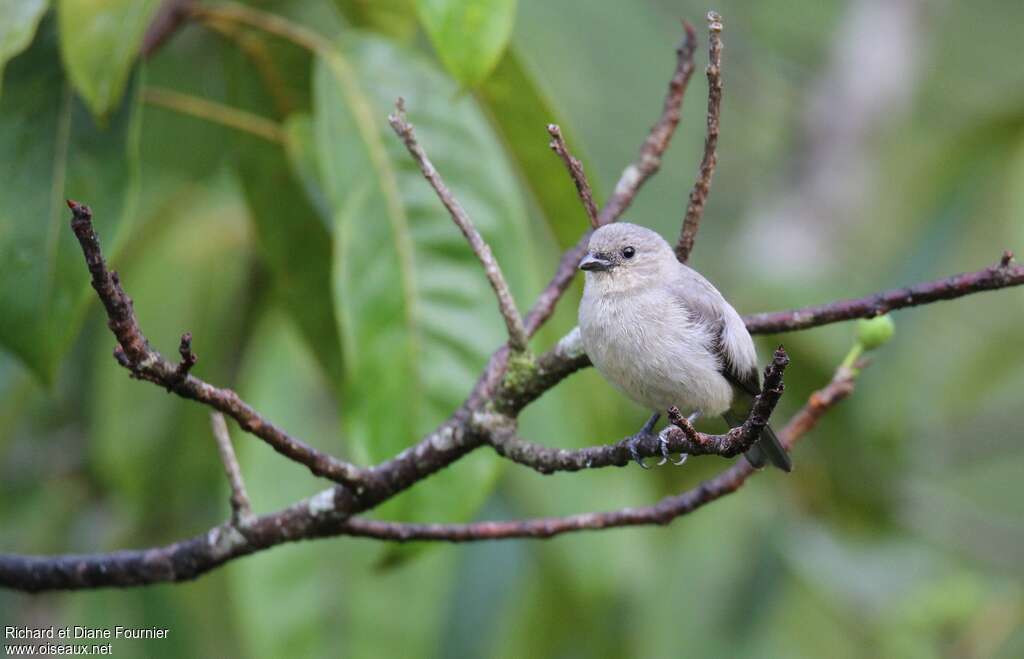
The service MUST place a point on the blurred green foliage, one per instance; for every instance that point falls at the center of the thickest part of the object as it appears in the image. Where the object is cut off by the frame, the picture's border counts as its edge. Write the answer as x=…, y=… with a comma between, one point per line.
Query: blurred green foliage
x=322, y=279
x=469, y=37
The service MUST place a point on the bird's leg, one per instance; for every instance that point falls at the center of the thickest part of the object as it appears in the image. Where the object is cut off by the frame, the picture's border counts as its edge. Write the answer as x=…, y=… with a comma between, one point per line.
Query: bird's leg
x=663, y=440
x=644, y=433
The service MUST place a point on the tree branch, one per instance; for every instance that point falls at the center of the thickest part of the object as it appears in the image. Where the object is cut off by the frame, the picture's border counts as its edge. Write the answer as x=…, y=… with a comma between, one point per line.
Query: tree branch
x=702, y=187
x=661, y=513
x=148, y=364
x=517, y=337
x=1001, y=275
x=241, y=509
x=318, y=517
x=575, y=168
x=679, y=440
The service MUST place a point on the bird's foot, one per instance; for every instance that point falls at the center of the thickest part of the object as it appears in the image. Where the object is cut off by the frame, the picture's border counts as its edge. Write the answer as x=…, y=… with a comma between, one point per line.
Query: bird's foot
x=666, y=455
x=634, y=442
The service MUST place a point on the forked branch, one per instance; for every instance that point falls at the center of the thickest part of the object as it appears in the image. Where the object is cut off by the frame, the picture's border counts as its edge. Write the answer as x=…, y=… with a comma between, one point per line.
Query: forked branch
x=134, y=353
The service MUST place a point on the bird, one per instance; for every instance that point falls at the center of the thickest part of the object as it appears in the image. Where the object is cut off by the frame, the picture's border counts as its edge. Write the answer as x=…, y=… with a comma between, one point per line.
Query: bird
x=664, y=336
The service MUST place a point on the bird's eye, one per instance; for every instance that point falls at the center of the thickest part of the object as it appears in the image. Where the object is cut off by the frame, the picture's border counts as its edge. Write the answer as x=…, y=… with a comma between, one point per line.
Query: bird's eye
x=628, y=252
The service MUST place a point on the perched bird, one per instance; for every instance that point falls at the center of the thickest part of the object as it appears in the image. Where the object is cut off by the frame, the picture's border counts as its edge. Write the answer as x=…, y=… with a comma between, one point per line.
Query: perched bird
x=664, y=335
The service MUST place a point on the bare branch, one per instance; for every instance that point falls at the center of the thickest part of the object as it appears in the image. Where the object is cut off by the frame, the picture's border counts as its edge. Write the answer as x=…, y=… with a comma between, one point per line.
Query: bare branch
x=737, y=440
x=134, y=353
x=661, y=513
x=1002, y=275
x=702, y=186
x=241, y=509
x=649, y=161
x=575, y=168
x=517, y=338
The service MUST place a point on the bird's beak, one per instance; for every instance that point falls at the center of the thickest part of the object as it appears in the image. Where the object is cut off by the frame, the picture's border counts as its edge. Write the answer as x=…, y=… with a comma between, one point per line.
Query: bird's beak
x=595, y=263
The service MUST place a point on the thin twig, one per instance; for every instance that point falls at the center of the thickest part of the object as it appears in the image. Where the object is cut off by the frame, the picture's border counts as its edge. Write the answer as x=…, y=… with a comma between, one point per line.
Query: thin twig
x=702, y=186
x=241, y=509
x=649, y=160
x=148, y=364
x=506, y=304
x=1004, y=274
x=575, y=168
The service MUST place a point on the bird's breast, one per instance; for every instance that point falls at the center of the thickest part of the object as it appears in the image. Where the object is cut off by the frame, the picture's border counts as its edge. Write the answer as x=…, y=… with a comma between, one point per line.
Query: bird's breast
x=653, y=352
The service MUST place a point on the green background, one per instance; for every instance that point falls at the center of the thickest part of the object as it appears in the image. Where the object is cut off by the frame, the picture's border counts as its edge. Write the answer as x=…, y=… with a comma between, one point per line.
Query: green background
x=864, y=145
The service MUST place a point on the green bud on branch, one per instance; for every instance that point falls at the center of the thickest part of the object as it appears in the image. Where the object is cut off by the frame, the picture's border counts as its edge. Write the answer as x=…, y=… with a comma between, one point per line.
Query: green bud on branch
x=875, y=332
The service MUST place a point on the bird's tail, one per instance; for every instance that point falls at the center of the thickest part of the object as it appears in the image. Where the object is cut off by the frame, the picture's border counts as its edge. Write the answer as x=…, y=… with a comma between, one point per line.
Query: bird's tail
x=766, y=449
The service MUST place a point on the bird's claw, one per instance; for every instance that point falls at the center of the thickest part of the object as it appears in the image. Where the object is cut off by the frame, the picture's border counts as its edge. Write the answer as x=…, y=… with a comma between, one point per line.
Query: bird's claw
x=666, y=455
x=645, y=432
x=636, y=439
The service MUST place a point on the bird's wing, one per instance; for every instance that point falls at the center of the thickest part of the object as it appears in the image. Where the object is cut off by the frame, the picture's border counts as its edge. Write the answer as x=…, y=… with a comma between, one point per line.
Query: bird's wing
x=731, y=343
x=729, y=339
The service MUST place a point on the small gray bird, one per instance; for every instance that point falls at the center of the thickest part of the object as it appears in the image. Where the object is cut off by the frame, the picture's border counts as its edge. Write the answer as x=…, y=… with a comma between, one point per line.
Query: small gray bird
x=664, y=336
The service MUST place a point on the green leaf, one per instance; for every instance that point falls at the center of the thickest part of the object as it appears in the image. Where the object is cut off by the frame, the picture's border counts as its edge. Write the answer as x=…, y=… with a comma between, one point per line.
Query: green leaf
x=99, y=42
x=290, y=217
x=469, y=35
x=296, y=244
x=20, y=20
x=181, y=152
x=417, y=316
x=520, y=112
x=395, y=18
x=301, y=150
x=52, y=150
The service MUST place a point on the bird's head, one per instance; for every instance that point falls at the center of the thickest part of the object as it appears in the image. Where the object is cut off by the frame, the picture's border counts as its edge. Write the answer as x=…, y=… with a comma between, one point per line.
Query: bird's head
x=624, y=252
